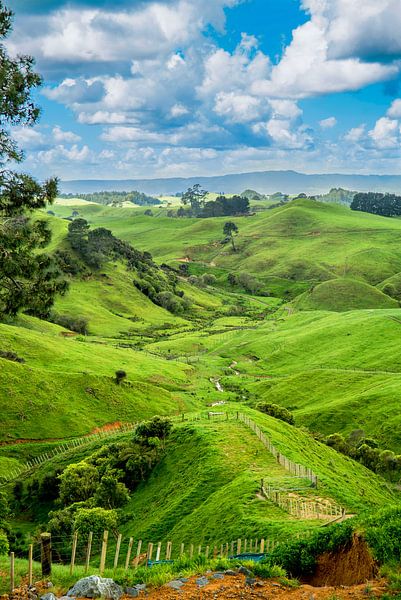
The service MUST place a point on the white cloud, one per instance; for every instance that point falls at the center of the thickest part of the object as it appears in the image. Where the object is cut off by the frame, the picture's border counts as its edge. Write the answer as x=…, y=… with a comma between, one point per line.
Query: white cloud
x=328, y=123
x=27, y=137
x=64, y=136
x=61, y=152
x=102, y=117
x=356, y=134
x=394, y=112
x=237, y=108
x=386, y=133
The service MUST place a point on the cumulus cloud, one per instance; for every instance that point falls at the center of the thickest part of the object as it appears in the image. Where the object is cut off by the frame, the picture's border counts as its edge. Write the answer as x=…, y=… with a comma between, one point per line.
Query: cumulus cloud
x=394, y=112
x=328, y=123
x=64, y=136
x=386, y=133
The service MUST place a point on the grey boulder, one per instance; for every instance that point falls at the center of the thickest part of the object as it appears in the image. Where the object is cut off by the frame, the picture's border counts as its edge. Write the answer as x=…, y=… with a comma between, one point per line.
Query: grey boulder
x=96, y=587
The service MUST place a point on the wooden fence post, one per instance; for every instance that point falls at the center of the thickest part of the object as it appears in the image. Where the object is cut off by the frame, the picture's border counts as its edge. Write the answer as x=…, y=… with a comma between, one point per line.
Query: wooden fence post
x=238, y=546
x=138, y=552
x=130, y=543
x=46, y=553
x=207, y=552
x=182, y=550
x=168, y=550
x=88, y=551
x=103, y=552
x=12, y=572
x=262, y=546
x=191, y=551
x=30, y=564
x=117, y=554
x=74, y=551
x=159, y=549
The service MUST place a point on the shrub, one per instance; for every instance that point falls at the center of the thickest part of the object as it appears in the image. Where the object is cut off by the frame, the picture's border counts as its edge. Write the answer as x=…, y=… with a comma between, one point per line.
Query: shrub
x=249, y=283
x=120, y=376
x=276, y=411
x=209, y=279
x=78, y=482
x=96, y=520
x=71, y=322
x=4, y=546
x=158, y=427
x=383, y=534
x=111, y=493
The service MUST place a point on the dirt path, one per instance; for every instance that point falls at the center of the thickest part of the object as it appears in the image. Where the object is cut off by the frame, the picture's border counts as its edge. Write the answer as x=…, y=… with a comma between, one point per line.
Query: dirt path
x=235, y=587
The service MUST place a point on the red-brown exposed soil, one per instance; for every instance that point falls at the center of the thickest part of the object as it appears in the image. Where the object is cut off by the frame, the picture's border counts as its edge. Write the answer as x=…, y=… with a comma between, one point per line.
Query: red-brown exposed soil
x=351, y=566
x=234, y=588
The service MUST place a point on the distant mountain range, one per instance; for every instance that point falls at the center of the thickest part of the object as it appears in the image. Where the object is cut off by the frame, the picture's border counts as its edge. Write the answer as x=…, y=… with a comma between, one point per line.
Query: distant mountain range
x=266, y=182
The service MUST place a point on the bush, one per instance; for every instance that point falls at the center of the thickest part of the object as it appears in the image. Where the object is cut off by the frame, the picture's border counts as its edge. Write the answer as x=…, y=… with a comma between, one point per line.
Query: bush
x=249, y=283
x=383, y=534
x=96, y=520
x=71, y=322
x=111, y=493
x=276, y=411
x=78, y=482
x=4, y=546
x=209, y=279
x=158, y=427
x=120, y=375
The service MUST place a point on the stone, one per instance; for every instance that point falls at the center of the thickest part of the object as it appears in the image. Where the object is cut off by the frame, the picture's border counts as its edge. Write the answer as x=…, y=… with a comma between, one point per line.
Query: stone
x=183, y=579
x=218, y=576
x=49, y=596
x=96, y=587
x=230, y=572
x=49, y=584
x=132, y=592
x=175, y=585
x=250, y=581
x=202, y=581
x=244, y=571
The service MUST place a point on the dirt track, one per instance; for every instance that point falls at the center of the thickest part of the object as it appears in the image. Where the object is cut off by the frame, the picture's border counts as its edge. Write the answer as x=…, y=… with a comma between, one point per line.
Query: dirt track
x=234, y=588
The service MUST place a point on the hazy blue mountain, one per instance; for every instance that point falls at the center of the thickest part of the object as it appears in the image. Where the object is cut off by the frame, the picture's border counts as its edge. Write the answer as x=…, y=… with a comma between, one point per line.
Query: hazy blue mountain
x=266, y=182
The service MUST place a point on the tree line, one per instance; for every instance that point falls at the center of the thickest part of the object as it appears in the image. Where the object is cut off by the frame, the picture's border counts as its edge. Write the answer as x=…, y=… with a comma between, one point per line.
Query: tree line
x=386, y=205
x=116, y=198
x=196, y=205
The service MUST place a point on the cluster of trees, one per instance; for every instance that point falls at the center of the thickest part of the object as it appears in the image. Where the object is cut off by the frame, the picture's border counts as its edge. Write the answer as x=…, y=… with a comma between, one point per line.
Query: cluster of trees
x=386, y=205
x=247, y=281
x=276, y=411
x=89, y=494
x=366, y=451
x=194, y=201
x=29, y=278
x=116, y=198
x=97, y=246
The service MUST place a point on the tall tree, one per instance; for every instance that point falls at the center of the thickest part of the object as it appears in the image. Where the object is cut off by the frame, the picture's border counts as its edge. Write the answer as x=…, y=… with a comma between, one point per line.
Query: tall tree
x=195, y=196
x=29, y=279
x=229, y=229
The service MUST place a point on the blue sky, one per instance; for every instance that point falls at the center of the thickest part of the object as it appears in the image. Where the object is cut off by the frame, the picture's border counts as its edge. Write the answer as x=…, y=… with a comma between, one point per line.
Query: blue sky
x=145, y=88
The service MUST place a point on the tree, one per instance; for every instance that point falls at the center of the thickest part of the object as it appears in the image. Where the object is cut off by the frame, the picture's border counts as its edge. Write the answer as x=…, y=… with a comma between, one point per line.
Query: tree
x=195, y=197
x=78, y=482
x=120, y=376
x=229, y=229
x=156, y=428
x=111, y=493
x=29, y=279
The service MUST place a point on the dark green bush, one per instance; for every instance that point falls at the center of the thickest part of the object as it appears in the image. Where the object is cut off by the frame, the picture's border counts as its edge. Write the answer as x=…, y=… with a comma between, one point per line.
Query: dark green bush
x=276, y=411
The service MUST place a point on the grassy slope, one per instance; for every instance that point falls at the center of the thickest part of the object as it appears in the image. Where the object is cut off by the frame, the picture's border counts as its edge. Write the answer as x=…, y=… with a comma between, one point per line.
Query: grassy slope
x=206, y=487
x=66, y=386
x=305, y=241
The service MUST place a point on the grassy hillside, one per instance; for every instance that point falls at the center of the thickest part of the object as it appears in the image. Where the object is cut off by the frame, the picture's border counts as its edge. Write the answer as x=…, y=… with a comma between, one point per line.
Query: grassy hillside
x=342, y=295
x=289, y=249
x=66, y=386
x=206, y=486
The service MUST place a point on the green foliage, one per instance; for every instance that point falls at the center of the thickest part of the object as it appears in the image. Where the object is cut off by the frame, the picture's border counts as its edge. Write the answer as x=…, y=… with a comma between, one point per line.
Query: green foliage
x=111, y=493
x=299, y=558
x=29, y=279
x=276, y=411
x=386, y=205
x=78, y=482
x=224, y=207
x=157, y=427
x=383, y=534
x=116, y=198
x=96, y=520
x=71, y=322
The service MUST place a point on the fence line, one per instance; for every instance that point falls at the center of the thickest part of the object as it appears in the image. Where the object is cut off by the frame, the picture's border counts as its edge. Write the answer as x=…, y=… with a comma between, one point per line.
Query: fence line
x=43, y=553
x=294, y=468
x=64, y=447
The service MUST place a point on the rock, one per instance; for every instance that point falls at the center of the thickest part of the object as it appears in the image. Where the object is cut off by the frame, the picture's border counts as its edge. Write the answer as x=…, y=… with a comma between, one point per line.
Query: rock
x=183, y=579
x=250, y=581
x=218, y=576
x=96, y=587
x=245, y=571
x=49, y=584
x=230, y=572
x=49, y=596
x=202, y=581
x=132, y=592
x=175, y=585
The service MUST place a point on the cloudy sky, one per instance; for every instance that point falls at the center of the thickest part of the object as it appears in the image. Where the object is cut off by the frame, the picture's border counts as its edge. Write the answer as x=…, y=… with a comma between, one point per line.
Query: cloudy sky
x=145, y=88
